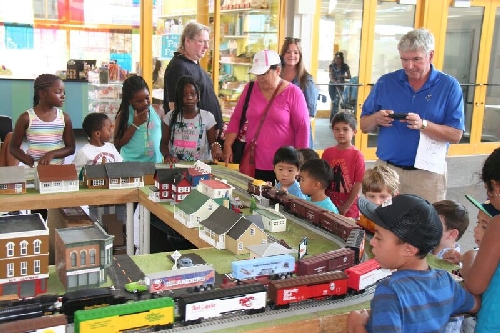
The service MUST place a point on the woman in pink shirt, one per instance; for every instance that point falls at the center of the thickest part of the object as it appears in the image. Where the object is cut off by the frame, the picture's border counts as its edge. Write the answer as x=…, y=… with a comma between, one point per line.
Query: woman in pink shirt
x=286, y=123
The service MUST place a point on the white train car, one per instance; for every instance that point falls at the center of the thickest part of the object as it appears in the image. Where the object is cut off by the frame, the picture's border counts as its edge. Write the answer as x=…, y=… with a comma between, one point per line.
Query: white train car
x=249, y=299
x=279, y=266
x=365, y=274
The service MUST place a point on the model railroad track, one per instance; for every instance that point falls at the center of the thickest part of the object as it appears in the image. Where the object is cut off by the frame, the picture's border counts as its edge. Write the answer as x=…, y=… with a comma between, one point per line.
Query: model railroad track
x=270, y=314
x=240, y=178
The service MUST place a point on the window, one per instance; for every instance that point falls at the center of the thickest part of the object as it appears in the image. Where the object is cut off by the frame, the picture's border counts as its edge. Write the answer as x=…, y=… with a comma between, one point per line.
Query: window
x=165, y=194
x=252, y=231
x=137, y=180
x=124, y=180
x=210, y=207
x=24, y=268
x=164, y=186
x=10, y=270
x=3, y=186
x=92, y=257
x=240, y=246
x=10, y=249
x=37, y=267
x=24, y=248
x=98, y=182
x=36, y=245
x=71, y=183
x=73, y=259
x=46, y=185
x=57, y=184
x=114, y=181
x=83, y=258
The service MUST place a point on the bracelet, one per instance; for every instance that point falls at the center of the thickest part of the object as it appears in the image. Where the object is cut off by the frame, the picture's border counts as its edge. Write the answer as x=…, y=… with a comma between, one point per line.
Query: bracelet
x=215, y=143
x=136, y=127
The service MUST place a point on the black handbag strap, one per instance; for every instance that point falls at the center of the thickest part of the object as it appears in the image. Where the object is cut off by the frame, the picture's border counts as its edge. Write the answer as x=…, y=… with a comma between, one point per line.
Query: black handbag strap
x=245, y=106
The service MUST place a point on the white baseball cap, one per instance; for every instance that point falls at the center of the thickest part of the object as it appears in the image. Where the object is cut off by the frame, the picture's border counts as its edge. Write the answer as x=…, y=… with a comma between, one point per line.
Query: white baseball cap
x=264, y=59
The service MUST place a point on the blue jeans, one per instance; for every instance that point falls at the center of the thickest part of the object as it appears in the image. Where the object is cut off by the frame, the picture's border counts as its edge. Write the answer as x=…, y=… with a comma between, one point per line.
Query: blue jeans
x=335, y=95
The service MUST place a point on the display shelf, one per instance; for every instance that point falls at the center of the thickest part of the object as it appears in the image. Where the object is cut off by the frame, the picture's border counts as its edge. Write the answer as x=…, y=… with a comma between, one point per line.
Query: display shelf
x=105, y=98
x=243, y=32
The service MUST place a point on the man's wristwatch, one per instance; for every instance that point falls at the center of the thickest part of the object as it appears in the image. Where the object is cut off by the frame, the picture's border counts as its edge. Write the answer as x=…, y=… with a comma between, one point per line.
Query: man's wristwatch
x=424, y=125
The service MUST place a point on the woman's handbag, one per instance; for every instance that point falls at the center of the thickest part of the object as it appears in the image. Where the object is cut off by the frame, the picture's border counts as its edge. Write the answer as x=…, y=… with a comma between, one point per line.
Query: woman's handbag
x=239, y=143
x=247, y=164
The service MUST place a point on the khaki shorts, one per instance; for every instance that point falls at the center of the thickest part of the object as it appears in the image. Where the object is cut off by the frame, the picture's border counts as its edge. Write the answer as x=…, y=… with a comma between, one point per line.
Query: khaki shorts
x=428, y=185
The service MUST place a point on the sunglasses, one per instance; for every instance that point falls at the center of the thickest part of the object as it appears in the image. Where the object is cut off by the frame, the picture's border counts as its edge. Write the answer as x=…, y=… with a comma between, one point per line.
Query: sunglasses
x=293, y=39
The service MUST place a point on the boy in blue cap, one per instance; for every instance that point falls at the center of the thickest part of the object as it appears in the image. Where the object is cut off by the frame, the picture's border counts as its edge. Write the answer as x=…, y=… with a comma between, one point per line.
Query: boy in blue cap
x=415, y=298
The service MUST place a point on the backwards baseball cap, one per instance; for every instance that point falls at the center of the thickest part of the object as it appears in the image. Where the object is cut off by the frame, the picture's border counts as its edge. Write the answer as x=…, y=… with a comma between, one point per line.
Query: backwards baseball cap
x=263, y=60
x=413, y=219
x=485, y=207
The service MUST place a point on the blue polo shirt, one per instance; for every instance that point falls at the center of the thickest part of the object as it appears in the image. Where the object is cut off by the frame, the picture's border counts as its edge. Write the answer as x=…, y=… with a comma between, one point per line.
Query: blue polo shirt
x=439, y=101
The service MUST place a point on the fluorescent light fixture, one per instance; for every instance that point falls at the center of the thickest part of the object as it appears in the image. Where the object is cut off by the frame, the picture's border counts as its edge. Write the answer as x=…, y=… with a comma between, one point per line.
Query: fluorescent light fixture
x=461, y=3
x=407, y=2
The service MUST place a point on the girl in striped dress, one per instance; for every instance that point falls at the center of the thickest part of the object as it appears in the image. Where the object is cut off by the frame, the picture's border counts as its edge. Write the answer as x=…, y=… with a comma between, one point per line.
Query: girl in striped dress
x=47, y=128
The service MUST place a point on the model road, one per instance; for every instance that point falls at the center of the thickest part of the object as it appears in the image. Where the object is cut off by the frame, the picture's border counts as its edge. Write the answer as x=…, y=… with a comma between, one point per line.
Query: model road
x=123, y=271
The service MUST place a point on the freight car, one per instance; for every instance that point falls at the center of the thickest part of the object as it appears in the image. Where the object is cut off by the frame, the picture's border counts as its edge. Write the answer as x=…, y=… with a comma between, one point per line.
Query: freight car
x=318, y=286
x=337, y=224
x=52, y=324
x=255, y=187
x=356, y=242
x=249, y=299
x=336, y=260
x=28, y=308
x=306, y=209
x=154, y=314
x=365, y=274
x=279, y=266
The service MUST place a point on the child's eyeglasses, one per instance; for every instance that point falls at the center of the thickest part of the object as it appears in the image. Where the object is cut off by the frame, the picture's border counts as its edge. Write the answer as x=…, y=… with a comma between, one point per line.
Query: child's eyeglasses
x=293, y=39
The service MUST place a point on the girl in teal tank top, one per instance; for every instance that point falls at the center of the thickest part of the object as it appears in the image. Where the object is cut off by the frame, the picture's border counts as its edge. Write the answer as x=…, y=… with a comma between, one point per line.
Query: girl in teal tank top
x=138, y=125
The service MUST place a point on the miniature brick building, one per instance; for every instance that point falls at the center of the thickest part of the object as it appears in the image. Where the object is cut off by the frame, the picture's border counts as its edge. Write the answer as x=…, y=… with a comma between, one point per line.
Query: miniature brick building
x=170, y=185
x=24, y=258
x=12, y=180
x=82, y=256
x=53, y=178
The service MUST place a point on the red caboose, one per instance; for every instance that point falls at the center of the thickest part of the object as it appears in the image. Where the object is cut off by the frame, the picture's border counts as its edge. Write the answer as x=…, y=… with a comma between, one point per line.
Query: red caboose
x=318, y=286
x=365, y=274
x=337, y=260
x=307, y=210
x=337, y=224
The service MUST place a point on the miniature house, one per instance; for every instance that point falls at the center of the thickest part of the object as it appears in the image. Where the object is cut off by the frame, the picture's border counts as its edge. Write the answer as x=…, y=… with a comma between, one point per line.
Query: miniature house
x=199, y=171
x=225, y=229
x=170, y=185
x=55, y=178
x=82, y=256
x=125, y=175
x=24, y=264
x=12, y=180
x=273, y=220
x=95, y=176
x=215, y=188
x=149, y=169
x=267, y=250
x=195, y=208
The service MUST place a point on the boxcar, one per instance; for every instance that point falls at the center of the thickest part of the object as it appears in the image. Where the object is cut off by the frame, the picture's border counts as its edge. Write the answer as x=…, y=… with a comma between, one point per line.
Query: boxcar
x=52, y=324
x=155, y=314
x=365, y=274
x=283, y=292
x=356, y=242
x=338, y=225
x=214, y=303
x=306, y=209
x=255, y=186
x=336, y=260
x=277, y=266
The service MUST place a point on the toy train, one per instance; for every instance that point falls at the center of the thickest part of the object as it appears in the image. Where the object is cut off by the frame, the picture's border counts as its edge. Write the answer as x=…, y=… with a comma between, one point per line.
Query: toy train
x=162, y=313
x=337, y=224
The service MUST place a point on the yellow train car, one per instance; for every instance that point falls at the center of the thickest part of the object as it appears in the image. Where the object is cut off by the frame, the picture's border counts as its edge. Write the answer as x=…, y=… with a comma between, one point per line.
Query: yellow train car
x=157, y=313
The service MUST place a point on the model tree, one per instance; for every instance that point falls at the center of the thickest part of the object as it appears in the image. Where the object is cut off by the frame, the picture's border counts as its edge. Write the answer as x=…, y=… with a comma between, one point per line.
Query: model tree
x=253, y=205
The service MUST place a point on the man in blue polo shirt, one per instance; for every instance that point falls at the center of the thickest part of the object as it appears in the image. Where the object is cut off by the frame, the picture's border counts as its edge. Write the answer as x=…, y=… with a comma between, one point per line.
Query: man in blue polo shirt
x=429, y=104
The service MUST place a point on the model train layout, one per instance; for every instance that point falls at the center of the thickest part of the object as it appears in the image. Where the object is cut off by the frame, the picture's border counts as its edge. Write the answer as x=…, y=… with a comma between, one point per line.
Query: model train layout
x=255, y=285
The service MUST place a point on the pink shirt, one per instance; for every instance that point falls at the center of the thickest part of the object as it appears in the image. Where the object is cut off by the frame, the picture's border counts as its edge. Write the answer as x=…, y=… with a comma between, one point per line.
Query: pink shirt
x=286, y=124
